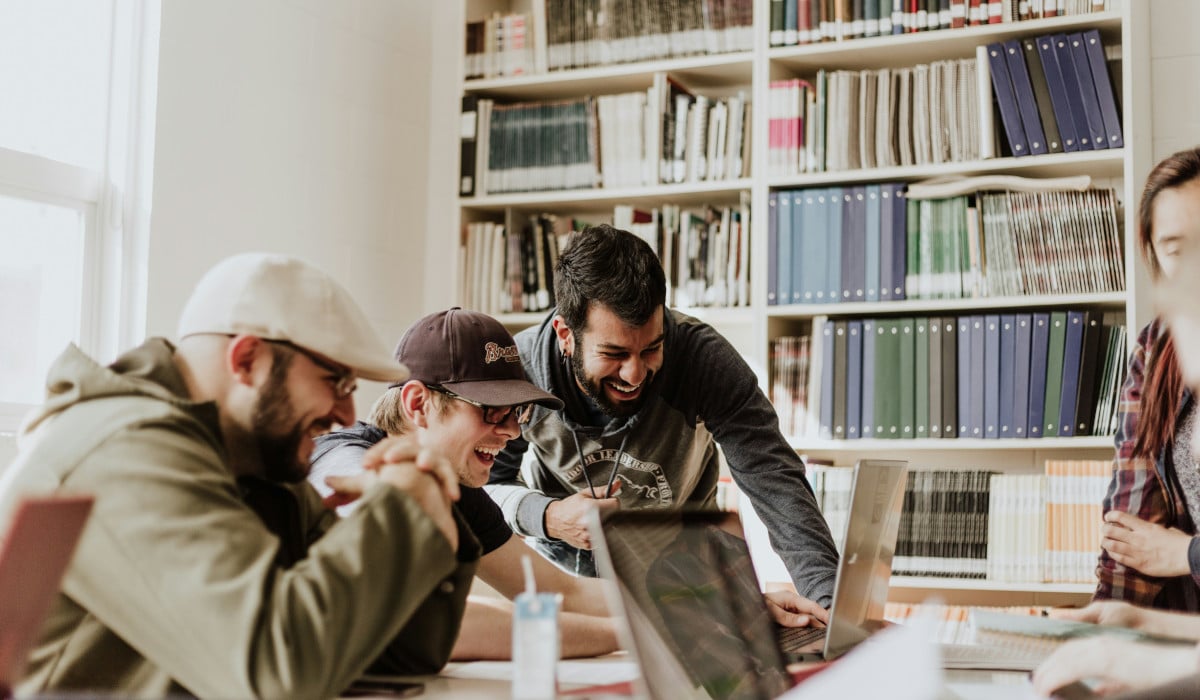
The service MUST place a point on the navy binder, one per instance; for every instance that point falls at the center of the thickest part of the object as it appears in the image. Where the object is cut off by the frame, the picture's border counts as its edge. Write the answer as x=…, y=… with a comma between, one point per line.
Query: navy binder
x=899, y=238
x=867, y=416
x=854, y=243
x=1008, y=343
x=1038, y=355
x=772, y=248
x=1010, y=115
x=826, y=423
x=1041, y=94
x=991, y=376
x=1066, y=65
x=1087, y=91
x=1020, y=398
x=873, y=243
x=1058, y=94
x=1109, y=112
x=800, y=232
x=834, y=229
x=1072, y=355
x=854, y=378
x=1031, y=121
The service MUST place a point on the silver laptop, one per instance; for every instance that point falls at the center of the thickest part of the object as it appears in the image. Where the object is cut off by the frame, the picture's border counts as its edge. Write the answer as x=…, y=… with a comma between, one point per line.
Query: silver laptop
x=694, y=615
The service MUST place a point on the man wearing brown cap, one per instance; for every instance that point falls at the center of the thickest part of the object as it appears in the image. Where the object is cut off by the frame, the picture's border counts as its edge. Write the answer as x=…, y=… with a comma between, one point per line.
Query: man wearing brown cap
x=209, y=566
x=464, y=398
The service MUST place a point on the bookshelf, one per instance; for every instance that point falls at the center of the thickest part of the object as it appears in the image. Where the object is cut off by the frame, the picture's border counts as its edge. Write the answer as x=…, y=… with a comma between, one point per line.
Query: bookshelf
x=752, y=328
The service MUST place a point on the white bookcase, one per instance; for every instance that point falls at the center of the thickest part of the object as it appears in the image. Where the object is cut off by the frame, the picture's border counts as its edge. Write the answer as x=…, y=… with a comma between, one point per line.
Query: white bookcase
x=751, y=328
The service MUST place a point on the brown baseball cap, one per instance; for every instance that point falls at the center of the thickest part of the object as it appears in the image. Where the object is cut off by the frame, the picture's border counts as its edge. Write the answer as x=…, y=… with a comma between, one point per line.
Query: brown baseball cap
x=471, y=354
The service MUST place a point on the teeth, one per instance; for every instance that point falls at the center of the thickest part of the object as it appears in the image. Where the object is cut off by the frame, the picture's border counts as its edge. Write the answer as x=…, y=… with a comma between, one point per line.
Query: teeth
x=624, y=388
x=493, y=451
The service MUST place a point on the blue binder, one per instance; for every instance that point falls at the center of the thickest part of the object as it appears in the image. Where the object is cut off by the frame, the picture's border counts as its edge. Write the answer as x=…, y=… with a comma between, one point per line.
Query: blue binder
x=964, y=376
x=1010, y=115
x=800, y=232
x=772, y=248
x=817, y=263
x=1008, y=343
x=834, y=228
x=854, y=243
x=1109, y=112
x=991, y=376
x=854, y=378
x=1070, y=80
x=978, y=355
x=949, y=377
x=873, y=243
x=1020, y=398
x=887, y=199
x=1031, y=121
x=1058, y=94
x=783, y=260
x=1072, y=355
x=1038, y=355
x=1087, y=91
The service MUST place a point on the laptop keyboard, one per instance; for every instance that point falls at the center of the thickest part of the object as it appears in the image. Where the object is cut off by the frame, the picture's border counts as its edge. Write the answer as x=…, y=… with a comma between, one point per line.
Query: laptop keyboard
x=795, y=638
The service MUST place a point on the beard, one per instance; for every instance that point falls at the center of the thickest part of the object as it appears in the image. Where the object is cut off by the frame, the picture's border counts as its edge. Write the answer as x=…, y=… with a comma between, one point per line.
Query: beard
x=278, y=450
x=593, y=388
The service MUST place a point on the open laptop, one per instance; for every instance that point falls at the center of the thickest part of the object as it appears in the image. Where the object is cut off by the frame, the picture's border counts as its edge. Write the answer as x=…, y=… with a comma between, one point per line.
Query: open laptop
x=695, y=616
x=35, y=551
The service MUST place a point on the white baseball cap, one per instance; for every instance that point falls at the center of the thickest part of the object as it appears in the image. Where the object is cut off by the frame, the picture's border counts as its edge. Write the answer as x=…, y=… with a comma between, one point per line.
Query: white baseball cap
x=276, y=297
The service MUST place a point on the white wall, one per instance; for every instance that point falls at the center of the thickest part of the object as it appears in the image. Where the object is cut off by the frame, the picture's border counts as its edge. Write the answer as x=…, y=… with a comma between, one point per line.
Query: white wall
x=298, y=127
x=1175, y=75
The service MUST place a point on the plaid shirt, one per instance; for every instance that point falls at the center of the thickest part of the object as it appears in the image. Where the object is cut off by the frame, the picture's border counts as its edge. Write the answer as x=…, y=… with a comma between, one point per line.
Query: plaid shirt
x=1149, y=490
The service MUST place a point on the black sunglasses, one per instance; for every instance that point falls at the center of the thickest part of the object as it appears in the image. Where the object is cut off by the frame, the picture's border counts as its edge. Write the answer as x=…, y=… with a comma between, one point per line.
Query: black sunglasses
x=492, y=415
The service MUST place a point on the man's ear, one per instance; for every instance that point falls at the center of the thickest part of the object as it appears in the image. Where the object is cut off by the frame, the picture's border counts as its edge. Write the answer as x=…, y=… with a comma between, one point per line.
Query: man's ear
x=416, y=403
x=244, y=355
x=566, y=339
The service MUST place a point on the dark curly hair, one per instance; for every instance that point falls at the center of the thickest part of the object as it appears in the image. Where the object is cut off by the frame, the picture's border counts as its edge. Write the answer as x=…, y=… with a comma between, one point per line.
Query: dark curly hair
x=610, y=267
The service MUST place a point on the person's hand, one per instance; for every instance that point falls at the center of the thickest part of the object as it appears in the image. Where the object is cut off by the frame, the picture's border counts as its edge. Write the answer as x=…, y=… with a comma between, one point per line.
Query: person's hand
x=567, y=518
x=1117, y=613
x=1147, y=547
x=1118, y=664
x=791, y=609
x=425, y=476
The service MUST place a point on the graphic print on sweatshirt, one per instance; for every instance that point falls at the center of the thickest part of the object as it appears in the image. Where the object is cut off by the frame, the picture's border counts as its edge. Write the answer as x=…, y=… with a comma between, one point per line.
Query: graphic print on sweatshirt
x=643, y=484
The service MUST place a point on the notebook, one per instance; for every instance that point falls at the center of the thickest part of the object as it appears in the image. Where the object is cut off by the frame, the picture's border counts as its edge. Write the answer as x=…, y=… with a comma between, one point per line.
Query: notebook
x=694, y=613
x=34, y=554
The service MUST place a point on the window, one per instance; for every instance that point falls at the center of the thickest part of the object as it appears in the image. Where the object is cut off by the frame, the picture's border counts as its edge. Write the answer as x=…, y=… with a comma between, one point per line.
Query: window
x=76, y=139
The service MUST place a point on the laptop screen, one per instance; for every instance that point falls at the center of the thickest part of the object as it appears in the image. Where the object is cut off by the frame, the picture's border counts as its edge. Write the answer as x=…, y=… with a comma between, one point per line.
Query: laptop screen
x=696, y=612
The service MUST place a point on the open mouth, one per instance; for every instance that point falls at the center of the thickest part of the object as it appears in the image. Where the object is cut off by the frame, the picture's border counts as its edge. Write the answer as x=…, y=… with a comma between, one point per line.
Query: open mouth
x=622, y=390
x=487, y=455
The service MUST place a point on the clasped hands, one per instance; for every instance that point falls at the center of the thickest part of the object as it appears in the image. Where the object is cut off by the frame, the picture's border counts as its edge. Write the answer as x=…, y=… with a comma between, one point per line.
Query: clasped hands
x=401, y=462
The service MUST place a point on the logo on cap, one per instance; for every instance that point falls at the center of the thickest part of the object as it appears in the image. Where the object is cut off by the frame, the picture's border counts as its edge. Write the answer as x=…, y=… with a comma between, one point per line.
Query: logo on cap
x=494, y=353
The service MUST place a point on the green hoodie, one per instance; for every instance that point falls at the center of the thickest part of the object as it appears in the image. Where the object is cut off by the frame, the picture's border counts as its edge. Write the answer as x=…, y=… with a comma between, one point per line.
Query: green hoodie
x=180, y=585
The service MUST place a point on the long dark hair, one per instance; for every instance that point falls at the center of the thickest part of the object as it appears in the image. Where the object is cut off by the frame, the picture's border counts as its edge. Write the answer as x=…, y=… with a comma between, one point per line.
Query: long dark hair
x=1163, y=385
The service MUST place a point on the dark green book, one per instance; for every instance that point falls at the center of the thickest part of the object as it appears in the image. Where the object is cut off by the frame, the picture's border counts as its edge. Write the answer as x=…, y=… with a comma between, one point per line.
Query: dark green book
x=1054, y=368
x=921, y=379
x=887, y=379
x=905, y=366
x=839, y=380
x=935, y=376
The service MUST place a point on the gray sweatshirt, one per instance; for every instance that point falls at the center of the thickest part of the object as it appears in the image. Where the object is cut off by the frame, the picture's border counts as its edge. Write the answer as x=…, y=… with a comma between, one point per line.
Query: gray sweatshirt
x=668, y=458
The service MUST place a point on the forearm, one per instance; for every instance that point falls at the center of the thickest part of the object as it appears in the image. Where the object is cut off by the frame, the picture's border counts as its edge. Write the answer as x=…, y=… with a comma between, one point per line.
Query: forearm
x=487, y=632
x=586, y=597
x=1170, y=624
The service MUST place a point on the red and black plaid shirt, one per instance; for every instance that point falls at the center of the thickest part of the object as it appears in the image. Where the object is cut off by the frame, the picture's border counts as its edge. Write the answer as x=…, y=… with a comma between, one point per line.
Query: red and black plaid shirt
x=1138, y=488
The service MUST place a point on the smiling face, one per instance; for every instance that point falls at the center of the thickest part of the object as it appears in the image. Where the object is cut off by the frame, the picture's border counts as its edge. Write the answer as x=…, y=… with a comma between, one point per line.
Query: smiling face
x=457, y=431
x=614, y=362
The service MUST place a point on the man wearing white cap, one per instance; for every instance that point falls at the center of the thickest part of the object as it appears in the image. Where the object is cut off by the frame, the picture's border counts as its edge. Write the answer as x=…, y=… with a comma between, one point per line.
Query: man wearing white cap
x=209, y=566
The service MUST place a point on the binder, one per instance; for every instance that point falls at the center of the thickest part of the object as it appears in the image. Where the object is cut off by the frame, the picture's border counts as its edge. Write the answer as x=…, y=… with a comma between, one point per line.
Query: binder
x=1054, y=373
x=854, y=244
x=1109, y=112
x=1087, y=90
x=1066, y=65
x=1089, y=370
x=834, y=228
x=1008, y=345
x=1041, y=95
x=935, y=377
x=887, y=249
x=812, y=250
x=1038, y=354
x=921, y=378
x=905, y=365
x=963, y=400
x=887, y=379
x=1058, y=94
x=949, y=377
x=772, y=248
x=1020, y=397
x=800, y=232
x=978, y=386
x=866, y=427
x=825, y=426
x=873, y=247
x=991, y=376
x=854, y=378
x=468, y=140
x=1072, y=354
x=1018, y=73
x=783, y=260
x=840, y=374
x=1010, y=115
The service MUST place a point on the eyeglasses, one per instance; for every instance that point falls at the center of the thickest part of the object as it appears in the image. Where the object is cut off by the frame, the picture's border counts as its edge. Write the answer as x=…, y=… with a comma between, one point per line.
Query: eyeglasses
x=492, y=415
x=344, y=382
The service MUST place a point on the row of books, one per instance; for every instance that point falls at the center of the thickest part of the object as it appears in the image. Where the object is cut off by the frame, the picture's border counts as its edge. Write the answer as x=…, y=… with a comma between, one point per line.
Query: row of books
x=498, y=45
x=664, y=134
x=1054, y=93
x=874, y=243
x=846, y=120
x=1022, y=375
x=977, y=524
x=582, y=33
x=812, y=21
x=705, y=253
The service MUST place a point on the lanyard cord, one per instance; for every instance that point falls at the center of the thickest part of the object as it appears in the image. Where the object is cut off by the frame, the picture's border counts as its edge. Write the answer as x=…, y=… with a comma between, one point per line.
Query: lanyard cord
x=612, y=474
